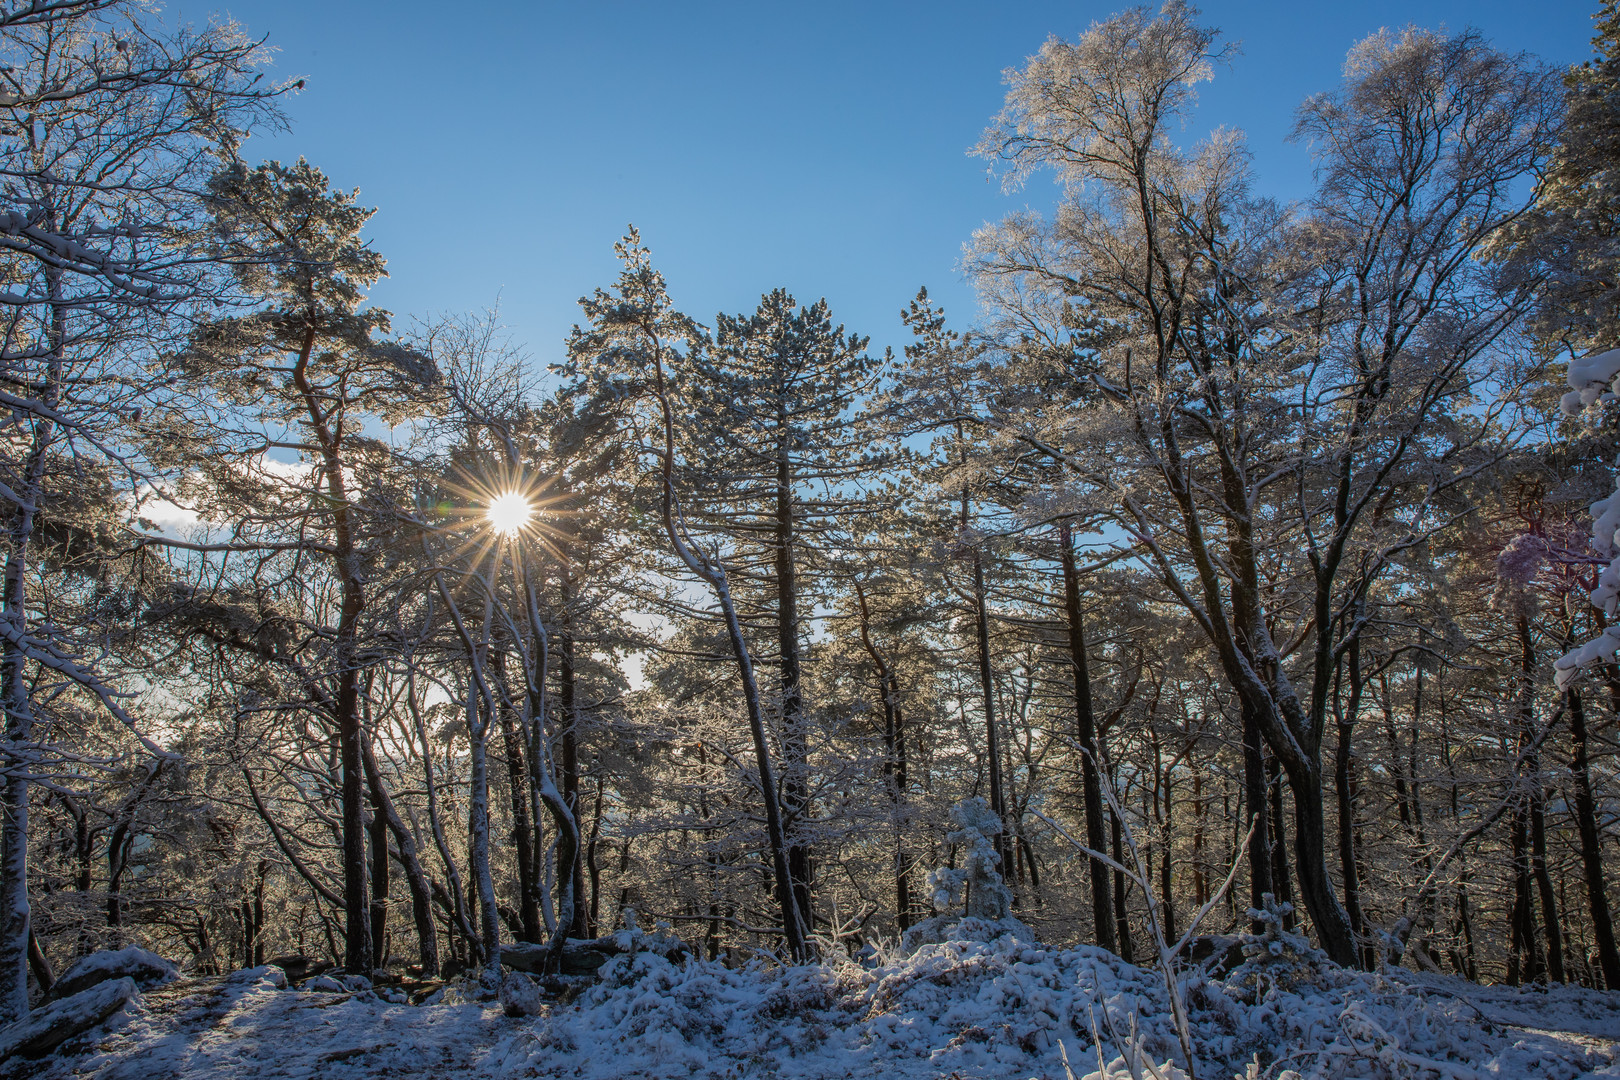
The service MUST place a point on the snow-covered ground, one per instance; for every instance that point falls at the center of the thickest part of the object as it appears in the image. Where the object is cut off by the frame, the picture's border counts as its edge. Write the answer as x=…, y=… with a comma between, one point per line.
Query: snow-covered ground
x=956, y=1009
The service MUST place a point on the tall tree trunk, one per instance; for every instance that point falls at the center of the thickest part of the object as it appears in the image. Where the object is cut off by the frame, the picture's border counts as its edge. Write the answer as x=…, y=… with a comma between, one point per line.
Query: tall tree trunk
x=714, y=575
x=992, y=743
x=258, y=913
x=795, y=743
x=1167, y=905
x=457, y=908
x=1531, y=818
x=1122, y=922
x=1544, y=886
x=1586, y=825
x=117, y=857
x=894, y=760
x=1199, y=866
x=1256, y=811
x=345, y=662
x=1345, y=786
x=378, y=830
x=537, y=659
x=427, y=942
x=1279, y=834
x=1102, y=911
x=1524, y=953
x=522, y=832
x=568, y=749
x=489, y=920
x=15, y=913
x=592, y=928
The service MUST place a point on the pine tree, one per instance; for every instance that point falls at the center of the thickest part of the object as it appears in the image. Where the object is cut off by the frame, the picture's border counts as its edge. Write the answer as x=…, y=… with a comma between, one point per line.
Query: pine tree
x=789, y=452
x=1569, y=243
x=305, y=372
x=634, y=358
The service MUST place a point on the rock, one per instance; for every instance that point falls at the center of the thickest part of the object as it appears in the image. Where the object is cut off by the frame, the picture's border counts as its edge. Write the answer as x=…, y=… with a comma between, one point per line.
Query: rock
x=520, y=995
x=269, y=973
x=147, y=969
x=46, y=1028
x=1217, y=954
x=295, y=966
x=326, y=985
x=355, y=983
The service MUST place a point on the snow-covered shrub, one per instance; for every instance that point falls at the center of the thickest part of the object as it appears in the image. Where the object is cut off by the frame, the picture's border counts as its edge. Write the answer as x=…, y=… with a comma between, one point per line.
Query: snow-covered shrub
x=1275, y=958
x=972, y=902
x=662, y=941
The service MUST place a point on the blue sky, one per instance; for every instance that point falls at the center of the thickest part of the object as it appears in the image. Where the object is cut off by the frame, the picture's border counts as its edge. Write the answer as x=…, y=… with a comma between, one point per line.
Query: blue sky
x=821, y=147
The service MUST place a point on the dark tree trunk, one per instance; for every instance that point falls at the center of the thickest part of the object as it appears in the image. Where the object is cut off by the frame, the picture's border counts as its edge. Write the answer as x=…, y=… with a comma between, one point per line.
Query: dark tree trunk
x=593, y=926
x=345, y=663
x=992, y=744
x=894, y=760
x=1122, y=922
x=427, y=942
x=1465, y=924
x=1102, y=911
x=624, y=876
x=517, y=779
x=568, y=749
x=258, y=913
x=1167, y=904
x=1345, y=786
x=1256, y=812
x=378, y=830
x=1279, y=833
x=1544, y=886
x=713, y=574
x=1597, y=896
x=357, y=926
x=795, y=741
x=1524, y=953
x=117, y=858
x=1531, y=819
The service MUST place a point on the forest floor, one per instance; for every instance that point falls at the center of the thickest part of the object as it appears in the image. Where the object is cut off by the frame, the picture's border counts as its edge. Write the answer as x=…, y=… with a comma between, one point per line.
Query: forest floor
x=960, y=1009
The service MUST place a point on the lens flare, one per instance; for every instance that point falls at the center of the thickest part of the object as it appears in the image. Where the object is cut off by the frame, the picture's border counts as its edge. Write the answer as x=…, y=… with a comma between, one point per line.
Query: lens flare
x=509, y=513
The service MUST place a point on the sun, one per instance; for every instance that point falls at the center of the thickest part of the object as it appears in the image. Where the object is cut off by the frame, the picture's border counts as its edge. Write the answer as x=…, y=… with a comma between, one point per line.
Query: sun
x=508, y=513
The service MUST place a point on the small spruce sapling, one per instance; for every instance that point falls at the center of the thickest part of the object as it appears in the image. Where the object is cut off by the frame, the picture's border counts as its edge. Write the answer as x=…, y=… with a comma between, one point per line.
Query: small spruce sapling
x=972, y=901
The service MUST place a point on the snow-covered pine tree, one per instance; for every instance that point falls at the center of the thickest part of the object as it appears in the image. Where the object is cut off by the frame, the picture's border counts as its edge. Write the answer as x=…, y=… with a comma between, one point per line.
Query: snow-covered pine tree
x=783, y=402
x=303, y=373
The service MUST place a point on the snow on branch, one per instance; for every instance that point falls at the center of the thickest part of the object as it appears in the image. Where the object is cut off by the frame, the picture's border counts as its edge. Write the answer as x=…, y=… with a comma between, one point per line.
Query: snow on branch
x=1593, y=379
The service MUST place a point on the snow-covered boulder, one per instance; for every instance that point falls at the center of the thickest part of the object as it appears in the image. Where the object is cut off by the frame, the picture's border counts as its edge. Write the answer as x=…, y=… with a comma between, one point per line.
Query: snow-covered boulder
x=147, y=969
x=46, y=1028
x=265, y=973
x=520, y=995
